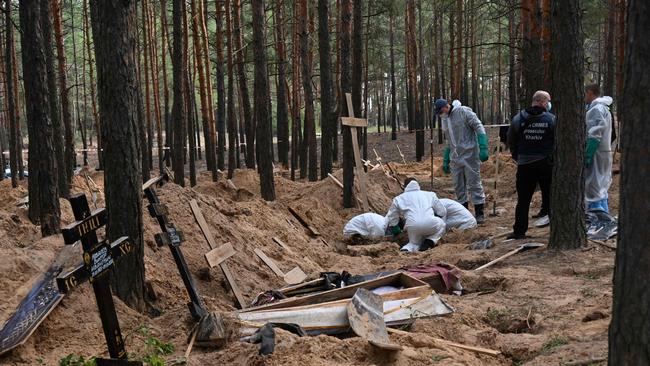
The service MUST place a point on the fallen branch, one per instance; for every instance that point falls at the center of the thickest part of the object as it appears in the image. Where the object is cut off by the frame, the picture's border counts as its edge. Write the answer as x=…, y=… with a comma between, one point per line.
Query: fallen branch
x=485, y=351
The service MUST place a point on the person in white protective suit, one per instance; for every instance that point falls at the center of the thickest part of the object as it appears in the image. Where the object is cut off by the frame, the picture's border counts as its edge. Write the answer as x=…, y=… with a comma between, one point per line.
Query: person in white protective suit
x=368, y=225
x=598, y=154
x=424, y=215
x=467, y=146
x=457, y=215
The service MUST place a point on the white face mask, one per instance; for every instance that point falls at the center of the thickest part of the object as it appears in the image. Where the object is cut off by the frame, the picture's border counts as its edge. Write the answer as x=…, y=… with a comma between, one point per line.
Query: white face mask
x=549, y=106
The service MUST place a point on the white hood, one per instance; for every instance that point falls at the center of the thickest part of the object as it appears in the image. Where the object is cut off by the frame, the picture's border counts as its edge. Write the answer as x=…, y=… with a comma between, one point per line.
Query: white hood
x=603, y=100
x=412, y=186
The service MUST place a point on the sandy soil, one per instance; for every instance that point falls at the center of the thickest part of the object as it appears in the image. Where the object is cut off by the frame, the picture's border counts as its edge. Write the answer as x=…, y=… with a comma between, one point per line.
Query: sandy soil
x=530, y=307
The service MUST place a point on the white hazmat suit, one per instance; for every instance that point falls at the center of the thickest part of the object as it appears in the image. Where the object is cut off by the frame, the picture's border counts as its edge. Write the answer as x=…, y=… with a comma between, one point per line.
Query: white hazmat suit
x=457, y=215
x=462, y=126
x=369, y=225
x=598, y=176
x=419, y=209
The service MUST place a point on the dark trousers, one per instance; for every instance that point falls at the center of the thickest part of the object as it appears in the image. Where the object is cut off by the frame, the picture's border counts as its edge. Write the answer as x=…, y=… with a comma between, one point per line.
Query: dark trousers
x=528, y=176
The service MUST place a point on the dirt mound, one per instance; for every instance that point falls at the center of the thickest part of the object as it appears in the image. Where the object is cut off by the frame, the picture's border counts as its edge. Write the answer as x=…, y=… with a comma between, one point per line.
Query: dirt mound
x=553, y=291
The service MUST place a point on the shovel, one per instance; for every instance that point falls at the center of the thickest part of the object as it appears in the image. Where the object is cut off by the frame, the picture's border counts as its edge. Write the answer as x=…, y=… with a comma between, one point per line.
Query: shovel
x=519, y=249
x=366, y=317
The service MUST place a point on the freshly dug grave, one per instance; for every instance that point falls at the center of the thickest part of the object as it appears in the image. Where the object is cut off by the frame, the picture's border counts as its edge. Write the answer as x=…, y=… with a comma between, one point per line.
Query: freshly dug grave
x=531, y=307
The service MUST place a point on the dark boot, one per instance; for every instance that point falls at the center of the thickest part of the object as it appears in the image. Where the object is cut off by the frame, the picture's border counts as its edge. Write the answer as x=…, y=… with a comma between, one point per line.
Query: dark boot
x=466, y=205
x=480, y=216
x=427, y=244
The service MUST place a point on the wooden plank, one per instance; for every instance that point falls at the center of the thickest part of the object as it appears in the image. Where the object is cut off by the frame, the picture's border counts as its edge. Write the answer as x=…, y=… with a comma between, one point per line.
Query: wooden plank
x=233, y=285
x=398, y=278
x=269, y=262
x=282, y=244
x=302, y=221
x=338, y=183
x=198, y=215
x=295, y=276
x=354, y=122
x=217, y=256
x=445, y=342
x=361, y=174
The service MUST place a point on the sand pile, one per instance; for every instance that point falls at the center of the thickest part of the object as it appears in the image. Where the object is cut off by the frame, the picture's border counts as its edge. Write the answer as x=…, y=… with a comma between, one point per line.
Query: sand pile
x=556, y=291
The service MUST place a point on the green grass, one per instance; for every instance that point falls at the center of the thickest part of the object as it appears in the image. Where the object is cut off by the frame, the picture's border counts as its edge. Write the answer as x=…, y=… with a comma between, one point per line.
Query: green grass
x=76, y=360
x=554, y=342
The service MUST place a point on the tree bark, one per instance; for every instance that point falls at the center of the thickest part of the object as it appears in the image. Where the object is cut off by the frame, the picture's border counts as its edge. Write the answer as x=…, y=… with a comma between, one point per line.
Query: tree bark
x=221, y=90
x=281, y=87
x=96, y=118
x=249, y=122
x=118, y=93
x=567, y=190
x=393, y=86
x=308, y=154
x=55, y=115
x=295, y=90
x=232, y=119
x=346, y=87
x=43, y=184
x=262, y=112
x=165, y=41
x=512, y=51
x=328, y=108
x=12, y=108
x=178, y=108
x=66, y=166
x=629, y=329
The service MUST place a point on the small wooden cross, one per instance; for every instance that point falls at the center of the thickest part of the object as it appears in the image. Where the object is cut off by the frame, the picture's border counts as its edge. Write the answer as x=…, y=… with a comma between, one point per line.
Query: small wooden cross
x=98, y=261
x=355, y=123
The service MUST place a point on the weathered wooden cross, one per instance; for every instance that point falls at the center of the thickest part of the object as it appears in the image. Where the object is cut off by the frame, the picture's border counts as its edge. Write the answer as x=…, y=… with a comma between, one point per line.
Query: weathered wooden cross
x=98, y=260
x=354, y=123
x=173, y=239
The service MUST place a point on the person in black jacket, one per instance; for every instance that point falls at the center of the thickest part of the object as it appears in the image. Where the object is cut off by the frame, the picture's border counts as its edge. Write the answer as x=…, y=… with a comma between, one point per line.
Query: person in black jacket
x=531, y=138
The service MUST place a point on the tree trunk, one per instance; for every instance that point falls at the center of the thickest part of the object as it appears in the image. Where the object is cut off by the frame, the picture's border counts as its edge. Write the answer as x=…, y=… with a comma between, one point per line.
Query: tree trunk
x=262, y=112
x=55, y=116
x=66, y=167
x=116, y=76
x=12, y=109
x=164, y=46
x=153, y=53
x=178, y=108
x=393, y=86
x=210, y=155
x=346, y=87
x=567, y=190
x=249, y=122
x=629, y=329
x=96, y=118
x=295, y=89
x=328, y=108
x=620, y=58
x=512, y=51
x=232, y=119
x=308, y=153
x=610, y=29
x=43, y=185
x=281, y=87
x=221, y=90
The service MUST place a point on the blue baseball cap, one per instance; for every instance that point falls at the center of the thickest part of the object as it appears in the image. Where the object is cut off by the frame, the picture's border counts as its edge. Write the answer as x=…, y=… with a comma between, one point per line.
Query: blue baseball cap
x=439, y=104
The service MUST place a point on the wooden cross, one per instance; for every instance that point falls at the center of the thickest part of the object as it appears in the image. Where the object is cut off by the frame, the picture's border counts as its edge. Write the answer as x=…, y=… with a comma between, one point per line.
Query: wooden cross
x=98, y=260
x=173, y=239
x=354, y=123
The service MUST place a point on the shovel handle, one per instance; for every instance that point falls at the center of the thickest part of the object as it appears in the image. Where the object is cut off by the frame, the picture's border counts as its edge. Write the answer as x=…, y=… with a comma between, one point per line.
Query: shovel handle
x=488, y=264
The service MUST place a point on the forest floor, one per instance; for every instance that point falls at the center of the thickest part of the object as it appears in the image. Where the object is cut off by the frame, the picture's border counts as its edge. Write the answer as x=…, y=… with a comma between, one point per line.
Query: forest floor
x=532, y=307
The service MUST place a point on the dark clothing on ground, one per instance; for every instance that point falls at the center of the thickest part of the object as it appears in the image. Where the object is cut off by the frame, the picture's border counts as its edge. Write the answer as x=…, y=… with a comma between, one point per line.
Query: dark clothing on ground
x=531, y=139
x=528, y=176
x=531, y=135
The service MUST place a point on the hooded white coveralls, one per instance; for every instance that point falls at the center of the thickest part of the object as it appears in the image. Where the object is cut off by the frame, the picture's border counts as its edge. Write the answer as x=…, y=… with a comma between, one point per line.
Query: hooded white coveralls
x=462, y=126
x=369, y=225
x=419, y=209
x=457, y=215
x=598, y=176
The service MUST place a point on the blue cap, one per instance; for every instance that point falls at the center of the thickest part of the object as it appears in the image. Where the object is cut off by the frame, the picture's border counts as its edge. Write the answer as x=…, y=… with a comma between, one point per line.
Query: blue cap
x=439, y=104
